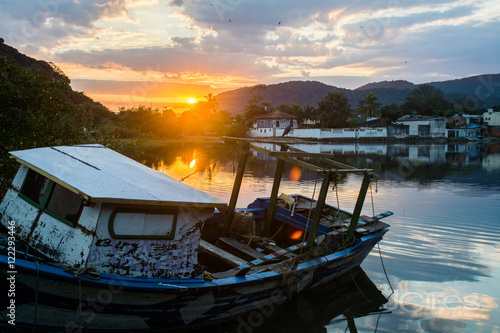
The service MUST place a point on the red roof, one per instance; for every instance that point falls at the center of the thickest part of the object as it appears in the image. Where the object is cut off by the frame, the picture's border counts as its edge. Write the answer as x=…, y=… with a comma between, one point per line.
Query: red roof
x=277, y=115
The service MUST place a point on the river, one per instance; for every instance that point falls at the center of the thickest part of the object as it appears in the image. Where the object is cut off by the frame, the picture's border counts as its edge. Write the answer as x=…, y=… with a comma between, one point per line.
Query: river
x=441, y=255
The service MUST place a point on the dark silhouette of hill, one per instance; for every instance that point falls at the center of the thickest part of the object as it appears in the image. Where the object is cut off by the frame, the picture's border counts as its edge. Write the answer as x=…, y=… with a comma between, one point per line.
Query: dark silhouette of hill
x=52, y=71
x=397, y=84
x=481, y=91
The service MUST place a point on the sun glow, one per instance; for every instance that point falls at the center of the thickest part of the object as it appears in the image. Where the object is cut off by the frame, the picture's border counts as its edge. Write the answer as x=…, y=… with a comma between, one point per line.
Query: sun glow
x=192, y=100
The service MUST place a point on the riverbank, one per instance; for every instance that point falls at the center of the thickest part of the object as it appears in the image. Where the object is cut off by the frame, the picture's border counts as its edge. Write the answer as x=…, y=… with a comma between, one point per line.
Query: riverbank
x=151, y=143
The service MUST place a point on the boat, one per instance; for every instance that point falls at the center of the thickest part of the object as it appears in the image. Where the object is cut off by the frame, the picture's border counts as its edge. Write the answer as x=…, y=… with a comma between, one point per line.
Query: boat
x=95, y=241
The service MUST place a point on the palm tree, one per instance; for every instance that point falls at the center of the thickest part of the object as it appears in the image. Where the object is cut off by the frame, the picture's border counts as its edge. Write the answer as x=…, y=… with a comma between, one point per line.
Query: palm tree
x=369, y=105
x=211, y=102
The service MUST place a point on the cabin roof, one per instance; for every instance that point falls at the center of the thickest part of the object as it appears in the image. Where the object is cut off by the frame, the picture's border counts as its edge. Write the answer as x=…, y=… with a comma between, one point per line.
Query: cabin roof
x=100, y=174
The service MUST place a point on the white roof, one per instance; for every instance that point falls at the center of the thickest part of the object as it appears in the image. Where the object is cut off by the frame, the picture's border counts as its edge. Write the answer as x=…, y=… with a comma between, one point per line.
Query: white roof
x=100, y=174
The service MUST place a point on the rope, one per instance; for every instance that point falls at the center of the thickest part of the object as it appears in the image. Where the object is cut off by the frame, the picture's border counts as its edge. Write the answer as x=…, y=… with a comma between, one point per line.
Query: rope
x=378, y=244
x=80, y=300
x=36, y=295
x=231, y=152
x=345, y=247
x=309, y=214
x=385, y=272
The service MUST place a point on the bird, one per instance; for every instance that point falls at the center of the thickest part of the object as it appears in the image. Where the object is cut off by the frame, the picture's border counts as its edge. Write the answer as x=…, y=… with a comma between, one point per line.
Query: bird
x=279, y=22
x=287, y=129
x=230, y=20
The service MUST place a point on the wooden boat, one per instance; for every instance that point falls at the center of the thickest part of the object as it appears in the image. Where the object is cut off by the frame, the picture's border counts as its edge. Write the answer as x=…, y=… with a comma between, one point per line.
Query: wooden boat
x=95, y=241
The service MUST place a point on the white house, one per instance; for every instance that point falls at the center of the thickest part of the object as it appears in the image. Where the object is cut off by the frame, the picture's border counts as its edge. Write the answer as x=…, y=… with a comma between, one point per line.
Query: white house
x=491, y=118
x=421, y=126
x=273, y=124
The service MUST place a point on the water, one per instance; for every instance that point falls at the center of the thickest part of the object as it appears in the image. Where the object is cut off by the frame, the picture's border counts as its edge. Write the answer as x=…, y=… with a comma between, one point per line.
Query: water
x=442, y=253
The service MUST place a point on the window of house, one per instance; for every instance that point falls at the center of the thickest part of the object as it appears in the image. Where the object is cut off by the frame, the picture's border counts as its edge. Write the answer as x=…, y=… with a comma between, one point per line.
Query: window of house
x=51, y=198
x=143, y=223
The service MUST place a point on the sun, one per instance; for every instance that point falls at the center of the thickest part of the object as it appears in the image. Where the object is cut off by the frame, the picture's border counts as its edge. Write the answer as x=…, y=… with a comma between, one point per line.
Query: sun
x=192, y=100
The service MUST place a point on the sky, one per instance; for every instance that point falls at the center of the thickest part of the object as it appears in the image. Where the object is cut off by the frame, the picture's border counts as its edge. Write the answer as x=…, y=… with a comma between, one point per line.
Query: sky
x=163, y=52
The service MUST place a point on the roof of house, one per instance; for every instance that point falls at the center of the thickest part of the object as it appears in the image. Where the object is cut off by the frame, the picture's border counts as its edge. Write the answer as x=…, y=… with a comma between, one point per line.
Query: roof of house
x=277, y=115
x=418, y=118
x=100, y=174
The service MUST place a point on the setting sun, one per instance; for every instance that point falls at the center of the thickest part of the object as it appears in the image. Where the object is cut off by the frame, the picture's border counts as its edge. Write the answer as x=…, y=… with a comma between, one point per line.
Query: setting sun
x=192, y=100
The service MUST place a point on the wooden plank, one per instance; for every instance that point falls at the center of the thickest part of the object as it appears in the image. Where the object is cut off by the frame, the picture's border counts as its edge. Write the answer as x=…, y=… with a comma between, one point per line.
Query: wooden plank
x=242, y=250
x=301, y=154
x=293, y=161
x=219, y=253
x=264, y=244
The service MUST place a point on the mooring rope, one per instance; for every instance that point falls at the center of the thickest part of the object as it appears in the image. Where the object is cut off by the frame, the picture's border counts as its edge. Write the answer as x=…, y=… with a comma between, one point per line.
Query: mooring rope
x=36, y=295
x=309, y=214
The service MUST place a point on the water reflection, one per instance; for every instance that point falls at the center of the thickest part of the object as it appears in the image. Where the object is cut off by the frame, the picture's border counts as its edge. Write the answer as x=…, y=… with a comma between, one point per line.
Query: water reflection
x=442, y=252
x=343, y=302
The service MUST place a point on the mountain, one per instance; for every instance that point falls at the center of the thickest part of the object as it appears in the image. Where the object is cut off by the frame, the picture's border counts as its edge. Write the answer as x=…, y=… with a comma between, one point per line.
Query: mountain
x=32, y=65
x=50, y=70
x=475, y=92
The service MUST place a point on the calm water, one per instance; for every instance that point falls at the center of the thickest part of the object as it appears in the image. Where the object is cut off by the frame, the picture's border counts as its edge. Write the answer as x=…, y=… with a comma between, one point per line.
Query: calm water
x=442, y=253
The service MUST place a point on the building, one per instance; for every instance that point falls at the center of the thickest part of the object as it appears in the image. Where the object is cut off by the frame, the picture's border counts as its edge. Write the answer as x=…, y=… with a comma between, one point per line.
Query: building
x=273, y=124
x=492, y=120
x=418, y=126
x=464, y=120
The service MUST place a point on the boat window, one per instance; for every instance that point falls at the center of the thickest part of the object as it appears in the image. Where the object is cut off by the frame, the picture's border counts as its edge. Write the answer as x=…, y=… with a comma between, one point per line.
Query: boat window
x=52, y=198
x=34, y=186
x=143, y=223
x=65, y=204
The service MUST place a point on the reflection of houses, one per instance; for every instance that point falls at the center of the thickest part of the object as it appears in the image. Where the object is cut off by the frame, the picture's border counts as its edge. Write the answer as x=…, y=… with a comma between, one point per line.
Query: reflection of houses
x=273, y=124
x=492, y=120
x=417, y=154
x=421, y=126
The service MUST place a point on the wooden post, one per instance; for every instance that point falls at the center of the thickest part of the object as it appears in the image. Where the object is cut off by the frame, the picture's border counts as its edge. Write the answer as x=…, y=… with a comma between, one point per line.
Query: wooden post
x=228, y=219
x=320, y=204
x=274, y=195
x=358, y=207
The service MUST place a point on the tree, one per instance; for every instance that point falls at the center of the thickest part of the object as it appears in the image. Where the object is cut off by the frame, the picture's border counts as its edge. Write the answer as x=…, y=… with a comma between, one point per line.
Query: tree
x=427, y=100
x=390, y=113
x=369, y=105
x=254, y=108
x=211, y=103
x=334, y=110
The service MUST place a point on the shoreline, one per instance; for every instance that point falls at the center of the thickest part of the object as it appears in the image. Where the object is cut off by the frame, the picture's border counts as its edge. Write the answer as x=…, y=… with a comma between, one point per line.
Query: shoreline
x=151, y=143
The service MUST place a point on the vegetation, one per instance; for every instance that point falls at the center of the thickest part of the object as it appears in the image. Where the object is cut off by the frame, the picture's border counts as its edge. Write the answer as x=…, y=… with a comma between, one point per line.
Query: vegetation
x=39, y=111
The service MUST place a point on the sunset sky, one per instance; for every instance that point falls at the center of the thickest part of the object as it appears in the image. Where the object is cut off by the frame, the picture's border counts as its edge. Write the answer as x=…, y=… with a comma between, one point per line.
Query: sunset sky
x=140, y=52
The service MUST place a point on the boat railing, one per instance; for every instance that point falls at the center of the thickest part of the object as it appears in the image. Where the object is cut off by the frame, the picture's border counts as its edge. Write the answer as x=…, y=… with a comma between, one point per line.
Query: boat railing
x=315, y=163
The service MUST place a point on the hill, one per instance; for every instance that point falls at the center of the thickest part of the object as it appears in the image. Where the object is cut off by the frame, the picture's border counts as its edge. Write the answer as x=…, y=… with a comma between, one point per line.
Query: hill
x=50, y=70
x=481, y=91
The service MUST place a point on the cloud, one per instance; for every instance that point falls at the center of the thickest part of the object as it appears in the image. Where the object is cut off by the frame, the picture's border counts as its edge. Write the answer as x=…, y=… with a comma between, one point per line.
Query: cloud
x=242, y=41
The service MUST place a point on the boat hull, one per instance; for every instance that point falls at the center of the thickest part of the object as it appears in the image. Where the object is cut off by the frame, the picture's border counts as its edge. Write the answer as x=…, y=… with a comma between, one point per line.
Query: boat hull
x=57, y=298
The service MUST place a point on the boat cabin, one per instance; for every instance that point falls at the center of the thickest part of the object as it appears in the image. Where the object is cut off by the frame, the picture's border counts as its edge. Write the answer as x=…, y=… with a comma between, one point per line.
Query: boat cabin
x=88, y=206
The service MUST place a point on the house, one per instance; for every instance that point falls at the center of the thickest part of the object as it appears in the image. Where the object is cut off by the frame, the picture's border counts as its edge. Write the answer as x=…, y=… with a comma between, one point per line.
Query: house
x=464, y=120
x=492, y=120
x=273, y=124
x=421, y=126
